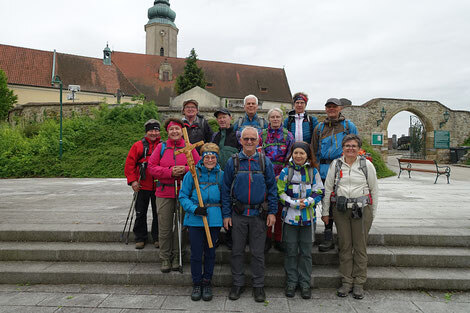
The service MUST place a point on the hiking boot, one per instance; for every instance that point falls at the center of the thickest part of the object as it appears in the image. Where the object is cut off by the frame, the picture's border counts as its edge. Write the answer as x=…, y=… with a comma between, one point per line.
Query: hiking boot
x=165, y=267
x=327, y=243
x=358, y=292
x=140, y=245
x=290, y=291
x=197, y=293
x=206, y=291
x=175, y=265
x=258, y=294
x=344, y=290
x=156, y=244
x=306, y=292
x=268, y=244
x=235, y=292
x=279, y=246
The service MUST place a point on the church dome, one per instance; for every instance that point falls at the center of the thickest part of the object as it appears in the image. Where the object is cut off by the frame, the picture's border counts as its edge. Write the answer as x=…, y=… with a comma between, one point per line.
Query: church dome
x=161, y=13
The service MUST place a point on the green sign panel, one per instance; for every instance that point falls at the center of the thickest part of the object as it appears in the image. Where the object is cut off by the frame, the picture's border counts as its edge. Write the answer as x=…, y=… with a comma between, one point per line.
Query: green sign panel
x=377, y=139
x=441, y=139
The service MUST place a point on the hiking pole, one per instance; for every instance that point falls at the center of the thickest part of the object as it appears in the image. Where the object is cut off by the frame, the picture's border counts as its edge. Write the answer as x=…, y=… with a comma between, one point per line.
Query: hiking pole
x=178, y=216
x=128, y=214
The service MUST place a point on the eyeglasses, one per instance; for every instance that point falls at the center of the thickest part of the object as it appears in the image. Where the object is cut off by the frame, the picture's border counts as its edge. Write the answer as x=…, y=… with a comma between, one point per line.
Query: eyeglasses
x=190, y=107
x=249, y=139
x=351, y=146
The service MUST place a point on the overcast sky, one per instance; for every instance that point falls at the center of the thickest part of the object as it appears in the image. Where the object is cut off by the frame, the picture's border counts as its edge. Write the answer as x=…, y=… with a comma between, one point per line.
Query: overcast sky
x=360, y=50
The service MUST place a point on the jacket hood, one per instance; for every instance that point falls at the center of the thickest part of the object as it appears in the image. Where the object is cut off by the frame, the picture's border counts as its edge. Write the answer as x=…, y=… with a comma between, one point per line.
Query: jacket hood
x=340, y=119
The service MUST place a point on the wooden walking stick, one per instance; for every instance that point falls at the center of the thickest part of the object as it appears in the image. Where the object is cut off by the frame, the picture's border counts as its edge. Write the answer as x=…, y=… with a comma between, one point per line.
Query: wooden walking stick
x=187, y=150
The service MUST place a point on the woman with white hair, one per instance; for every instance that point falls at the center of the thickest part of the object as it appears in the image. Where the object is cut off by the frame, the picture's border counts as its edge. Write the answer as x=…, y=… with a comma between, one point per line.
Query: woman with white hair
x=276, y=142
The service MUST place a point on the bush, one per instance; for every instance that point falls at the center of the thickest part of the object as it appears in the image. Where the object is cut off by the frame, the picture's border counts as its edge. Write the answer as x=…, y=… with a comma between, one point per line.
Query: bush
x=379, y=164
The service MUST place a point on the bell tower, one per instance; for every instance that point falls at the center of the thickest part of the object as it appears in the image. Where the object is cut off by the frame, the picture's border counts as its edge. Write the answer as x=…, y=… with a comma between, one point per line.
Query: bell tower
x=161, y=30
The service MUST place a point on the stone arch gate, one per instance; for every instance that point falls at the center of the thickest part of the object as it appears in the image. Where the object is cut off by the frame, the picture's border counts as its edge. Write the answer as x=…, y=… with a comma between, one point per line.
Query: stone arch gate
x=431, y=114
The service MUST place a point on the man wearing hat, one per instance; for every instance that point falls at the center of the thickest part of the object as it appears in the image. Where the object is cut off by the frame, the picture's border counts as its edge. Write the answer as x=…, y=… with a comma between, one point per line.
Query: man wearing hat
x=226, y=137
x=327, y=145
x=143, y=183
x=198, y=127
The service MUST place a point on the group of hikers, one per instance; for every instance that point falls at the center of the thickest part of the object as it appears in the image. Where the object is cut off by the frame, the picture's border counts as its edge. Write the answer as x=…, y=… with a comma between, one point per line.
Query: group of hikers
x=261, y=180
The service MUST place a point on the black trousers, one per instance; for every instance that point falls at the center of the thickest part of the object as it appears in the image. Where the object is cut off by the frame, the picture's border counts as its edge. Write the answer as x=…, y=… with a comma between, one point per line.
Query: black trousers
x=141, y=208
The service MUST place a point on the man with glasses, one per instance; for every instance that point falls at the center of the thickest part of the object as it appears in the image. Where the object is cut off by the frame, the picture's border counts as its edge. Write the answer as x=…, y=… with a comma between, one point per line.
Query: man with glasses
x=198, y=127
x=249, y=205
x=326, y=141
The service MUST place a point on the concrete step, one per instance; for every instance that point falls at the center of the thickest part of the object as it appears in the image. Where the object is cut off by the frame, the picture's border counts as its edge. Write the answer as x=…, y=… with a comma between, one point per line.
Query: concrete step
x=393, y=236
x=419, y=256
x=149, y=274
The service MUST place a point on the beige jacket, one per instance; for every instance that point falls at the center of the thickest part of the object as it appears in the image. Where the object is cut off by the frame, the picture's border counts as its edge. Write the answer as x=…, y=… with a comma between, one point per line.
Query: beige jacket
x=353, y=184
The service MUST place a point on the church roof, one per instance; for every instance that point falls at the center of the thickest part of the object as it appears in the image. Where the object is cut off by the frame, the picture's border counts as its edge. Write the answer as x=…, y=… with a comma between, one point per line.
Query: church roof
x=229, y=80
x=30, y=67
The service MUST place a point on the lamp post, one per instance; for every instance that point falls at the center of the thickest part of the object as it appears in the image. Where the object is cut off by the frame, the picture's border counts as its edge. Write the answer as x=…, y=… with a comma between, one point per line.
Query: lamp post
x=56, y=80
x=382, y=115
x=446, y=118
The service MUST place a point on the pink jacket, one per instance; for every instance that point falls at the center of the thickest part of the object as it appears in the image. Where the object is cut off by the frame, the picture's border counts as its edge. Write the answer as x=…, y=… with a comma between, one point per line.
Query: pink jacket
x=161, y=168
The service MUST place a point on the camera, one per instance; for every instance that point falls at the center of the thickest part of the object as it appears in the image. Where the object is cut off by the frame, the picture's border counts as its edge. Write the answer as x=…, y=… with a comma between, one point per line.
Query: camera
x=341, y=204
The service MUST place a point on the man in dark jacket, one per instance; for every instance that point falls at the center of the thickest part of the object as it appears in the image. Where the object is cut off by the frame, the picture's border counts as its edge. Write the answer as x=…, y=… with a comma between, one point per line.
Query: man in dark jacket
x=143, y=183
x=226, y=137
x=198, y=127
x=246, y=188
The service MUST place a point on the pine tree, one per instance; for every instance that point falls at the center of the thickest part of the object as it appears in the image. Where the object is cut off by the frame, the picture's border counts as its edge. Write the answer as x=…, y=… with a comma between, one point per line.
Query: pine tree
x=7, y=98
x=192, y=76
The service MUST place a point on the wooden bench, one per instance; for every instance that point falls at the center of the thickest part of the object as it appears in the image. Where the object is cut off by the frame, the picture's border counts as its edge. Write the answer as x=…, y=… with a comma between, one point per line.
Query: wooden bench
x=440, y=170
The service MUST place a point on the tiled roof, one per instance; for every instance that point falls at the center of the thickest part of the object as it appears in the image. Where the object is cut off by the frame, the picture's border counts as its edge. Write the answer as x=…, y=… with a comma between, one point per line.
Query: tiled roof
x=229, y=80
x=31, y=67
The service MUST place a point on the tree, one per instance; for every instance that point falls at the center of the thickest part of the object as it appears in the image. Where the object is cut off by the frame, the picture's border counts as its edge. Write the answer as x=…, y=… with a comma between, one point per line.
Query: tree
x=192, y=76
x=7, y=98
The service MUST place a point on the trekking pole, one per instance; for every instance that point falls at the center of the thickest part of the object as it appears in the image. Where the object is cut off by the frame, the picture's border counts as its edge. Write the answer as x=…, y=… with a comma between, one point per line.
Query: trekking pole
x=130, y=223
x=128, y=214
x=178, y=216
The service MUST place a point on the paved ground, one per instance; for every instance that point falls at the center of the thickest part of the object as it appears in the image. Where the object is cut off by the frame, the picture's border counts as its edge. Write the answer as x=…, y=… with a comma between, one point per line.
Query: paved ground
x=406, y=205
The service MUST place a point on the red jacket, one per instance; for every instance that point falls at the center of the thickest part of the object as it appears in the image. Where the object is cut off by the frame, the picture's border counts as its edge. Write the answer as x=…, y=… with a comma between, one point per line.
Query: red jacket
x=132, y=167
x=161, y=168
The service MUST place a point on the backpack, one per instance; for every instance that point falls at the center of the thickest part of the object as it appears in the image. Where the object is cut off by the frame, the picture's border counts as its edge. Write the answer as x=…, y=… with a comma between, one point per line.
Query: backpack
x=307, y=118
x=262, y=122
x=264, y=135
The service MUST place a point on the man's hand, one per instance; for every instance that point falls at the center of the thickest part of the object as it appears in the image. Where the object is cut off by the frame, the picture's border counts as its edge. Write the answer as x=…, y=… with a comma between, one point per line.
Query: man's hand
x=271, y=220
x=325, y=219
x=227, y=222
x=135, y=186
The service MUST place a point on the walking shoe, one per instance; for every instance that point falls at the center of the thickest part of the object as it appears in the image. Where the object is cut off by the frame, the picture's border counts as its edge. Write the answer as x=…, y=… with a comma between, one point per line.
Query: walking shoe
x=306, y=292
x=206, y=291
x=235, y=292
x=344, y=290
x=267, y=245
x=258, y=294
x=156, y=244
x=197, y=293
x=165, y=266
x=139, y=245
x=175, y=265
x=290, y=291
x=279, y=246
x=358, y=292
x=327, y=243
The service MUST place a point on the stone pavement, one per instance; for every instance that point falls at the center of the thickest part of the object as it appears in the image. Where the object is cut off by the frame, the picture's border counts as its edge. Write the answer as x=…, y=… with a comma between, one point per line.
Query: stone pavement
x=153, y=299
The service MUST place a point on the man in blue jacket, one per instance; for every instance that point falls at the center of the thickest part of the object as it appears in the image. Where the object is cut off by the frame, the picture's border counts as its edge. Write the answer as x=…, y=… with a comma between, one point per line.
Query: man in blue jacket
x=251, y=117
x=249, y=205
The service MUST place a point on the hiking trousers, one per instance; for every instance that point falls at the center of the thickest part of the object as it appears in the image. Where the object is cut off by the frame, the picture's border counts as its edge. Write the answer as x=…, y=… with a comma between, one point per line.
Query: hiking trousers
x=141, y=208
x=352, y=244
x=297, y=242
x=167, y=228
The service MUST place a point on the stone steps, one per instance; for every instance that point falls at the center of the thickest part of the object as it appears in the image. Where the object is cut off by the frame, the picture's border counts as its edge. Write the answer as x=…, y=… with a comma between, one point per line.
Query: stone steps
x=149, y=274
x=419, y=256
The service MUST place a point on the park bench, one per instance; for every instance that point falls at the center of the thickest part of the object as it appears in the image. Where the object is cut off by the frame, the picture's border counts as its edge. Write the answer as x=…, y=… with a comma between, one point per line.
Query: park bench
x=440, y=170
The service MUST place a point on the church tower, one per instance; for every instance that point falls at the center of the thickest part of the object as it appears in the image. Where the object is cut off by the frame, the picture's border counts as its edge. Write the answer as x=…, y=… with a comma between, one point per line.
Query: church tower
x=161, y=30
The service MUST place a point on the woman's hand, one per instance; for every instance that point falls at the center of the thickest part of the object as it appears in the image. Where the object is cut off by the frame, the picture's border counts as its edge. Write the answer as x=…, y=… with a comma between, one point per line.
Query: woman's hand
x=178, y=171
x=325, y=219
x=302, y=204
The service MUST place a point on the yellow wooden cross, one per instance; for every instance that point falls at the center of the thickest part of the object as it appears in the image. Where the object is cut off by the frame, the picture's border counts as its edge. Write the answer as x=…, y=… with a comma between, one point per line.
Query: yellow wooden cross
x=187, y=150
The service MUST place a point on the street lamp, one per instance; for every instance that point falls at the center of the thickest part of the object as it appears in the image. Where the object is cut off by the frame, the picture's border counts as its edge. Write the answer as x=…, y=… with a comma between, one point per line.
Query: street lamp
x=446, y=118
x=382, y=114
x=56, y=80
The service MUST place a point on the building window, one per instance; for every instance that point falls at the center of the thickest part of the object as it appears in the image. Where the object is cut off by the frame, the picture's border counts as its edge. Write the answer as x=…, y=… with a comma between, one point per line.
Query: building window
x=166, y=76
x=209, y=85
x=162, y=51
x=263, y=89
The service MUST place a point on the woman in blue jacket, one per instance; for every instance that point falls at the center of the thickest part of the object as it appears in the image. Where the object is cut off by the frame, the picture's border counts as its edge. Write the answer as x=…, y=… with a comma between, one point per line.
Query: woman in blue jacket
x=210, y=177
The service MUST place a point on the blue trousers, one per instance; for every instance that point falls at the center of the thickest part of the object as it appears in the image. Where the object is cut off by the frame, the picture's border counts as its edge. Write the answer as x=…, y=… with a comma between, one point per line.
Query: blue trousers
x=200, y=247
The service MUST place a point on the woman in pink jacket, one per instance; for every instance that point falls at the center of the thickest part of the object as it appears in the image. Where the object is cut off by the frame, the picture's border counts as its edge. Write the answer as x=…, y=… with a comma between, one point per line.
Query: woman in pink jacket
x=168, y=168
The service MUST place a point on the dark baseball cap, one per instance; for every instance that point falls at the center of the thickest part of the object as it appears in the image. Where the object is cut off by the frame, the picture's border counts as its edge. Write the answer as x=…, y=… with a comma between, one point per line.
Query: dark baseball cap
x=334, y=101
x=222, y=110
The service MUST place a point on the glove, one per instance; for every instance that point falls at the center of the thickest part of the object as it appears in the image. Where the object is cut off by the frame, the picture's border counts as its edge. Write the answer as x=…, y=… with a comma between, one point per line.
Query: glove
x=201, y=211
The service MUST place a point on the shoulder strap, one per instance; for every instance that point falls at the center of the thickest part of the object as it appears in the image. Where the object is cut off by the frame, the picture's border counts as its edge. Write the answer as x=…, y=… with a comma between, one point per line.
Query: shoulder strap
x=285, y=133
x=363, y=167
x=338, y=175
x=240, y=122
x=310, y=122
x=262, y=123
x=145, y=150
x=346, y=126
x=290, y=120
x=290, y=173
x=310, y=174
x=163, y=149
x=236, y=163
x=264, y=136
x=262, y=162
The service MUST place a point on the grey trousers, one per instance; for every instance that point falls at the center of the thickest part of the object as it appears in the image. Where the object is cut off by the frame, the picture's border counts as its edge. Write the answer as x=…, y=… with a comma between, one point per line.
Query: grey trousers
x=253, y=228
x=352, y=242
x=297, y=241
x=167, y=228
